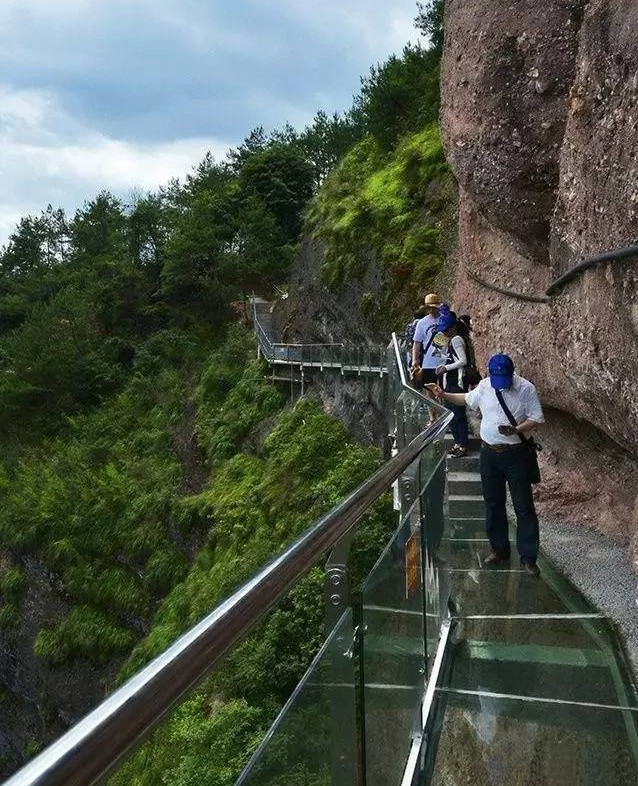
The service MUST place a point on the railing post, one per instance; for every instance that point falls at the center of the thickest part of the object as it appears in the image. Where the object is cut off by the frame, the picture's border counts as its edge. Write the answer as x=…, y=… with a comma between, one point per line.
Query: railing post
x=337, y=592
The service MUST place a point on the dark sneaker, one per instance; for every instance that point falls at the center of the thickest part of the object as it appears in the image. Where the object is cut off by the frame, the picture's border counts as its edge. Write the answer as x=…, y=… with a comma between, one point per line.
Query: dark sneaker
x=495, y=558
x=530, y=568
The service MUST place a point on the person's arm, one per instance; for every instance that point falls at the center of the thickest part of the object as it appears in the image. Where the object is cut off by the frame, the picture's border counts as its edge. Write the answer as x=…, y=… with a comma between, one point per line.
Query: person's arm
x=523, y=428
x=452, y=398
x=461, y=354
x=533, y=415
x=416, y=352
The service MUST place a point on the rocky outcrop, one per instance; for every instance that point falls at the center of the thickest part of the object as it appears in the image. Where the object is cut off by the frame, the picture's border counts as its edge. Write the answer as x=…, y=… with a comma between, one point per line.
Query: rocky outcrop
x=311, y=313
x=540, y=123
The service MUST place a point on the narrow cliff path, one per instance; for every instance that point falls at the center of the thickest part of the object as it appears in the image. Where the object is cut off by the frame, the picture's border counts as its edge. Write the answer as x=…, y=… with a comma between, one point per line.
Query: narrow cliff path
x=601, y=570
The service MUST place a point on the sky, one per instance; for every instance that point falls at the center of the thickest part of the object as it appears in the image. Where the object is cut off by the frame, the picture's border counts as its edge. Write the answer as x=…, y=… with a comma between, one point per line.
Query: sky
x=125, y=94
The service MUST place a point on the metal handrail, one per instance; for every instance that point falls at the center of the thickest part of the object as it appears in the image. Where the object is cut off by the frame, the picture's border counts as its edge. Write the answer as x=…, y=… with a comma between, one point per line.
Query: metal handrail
x=629, y=252
x=280, y=345
x=94, y=747
x=430, y=402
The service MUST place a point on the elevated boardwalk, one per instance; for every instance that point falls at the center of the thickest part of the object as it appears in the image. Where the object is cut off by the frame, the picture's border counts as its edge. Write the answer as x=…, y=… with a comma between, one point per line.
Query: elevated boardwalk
x=535, y=689
x=434, y=671
x=351, y=360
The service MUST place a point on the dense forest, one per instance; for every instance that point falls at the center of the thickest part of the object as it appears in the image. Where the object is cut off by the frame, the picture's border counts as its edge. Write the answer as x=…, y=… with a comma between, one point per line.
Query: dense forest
x=147, y=465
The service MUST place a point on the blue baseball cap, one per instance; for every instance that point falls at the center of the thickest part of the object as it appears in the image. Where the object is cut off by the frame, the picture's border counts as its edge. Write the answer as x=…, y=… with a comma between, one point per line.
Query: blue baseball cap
x=501, y=369
x=447, y=319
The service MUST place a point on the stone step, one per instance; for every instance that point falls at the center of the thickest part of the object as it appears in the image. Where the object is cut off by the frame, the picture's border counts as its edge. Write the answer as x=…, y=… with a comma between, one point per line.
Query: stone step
x=466, y=505
x=470, y=463
x=465, y=528
x=474, y=443
x=460, y=483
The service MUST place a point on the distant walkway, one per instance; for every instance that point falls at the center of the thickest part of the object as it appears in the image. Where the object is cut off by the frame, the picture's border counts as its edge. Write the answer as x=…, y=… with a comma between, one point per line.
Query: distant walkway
x=359, y=360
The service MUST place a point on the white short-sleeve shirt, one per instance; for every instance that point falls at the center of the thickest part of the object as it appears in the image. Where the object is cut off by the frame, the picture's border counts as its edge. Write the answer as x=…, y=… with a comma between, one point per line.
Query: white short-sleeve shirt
x=521, y=399
x=426, y=330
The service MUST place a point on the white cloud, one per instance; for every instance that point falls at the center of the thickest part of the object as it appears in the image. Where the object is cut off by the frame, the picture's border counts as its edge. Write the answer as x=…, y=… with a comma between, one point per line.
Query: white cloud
x=48, y=157
x=381, y=26
x=114, y=94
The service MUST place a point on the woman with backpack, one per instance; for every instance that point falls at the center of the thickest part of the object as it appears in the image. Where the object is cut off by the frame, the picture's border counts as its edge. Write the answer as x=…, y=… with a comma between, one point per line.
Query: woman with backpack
x=454, y=373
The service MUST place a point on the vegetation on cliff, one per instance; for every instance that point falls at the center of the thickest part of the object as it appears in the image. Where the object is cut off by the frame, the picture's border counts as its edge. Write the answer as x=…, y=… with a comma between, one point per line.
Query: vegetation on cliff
x=392, y=195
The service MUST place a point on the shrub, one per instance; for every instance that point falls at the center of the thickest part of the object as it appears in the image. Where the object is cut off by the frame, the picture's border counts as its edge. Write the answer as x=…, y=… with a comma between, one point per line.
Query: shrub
x=388, y=206
x=84, y=633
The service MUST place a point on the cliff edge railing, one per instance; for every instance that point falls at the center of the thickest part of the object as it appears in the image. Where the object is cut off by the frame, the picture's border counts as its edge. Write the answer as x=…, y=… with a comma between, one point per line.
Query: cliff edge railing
x=347, y=359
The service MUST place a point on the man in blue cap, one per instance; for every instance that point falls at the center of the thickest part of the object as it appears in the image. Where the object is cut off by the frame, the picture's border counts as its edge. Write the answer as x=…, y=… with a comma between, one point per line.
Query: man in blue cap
x=505, y=457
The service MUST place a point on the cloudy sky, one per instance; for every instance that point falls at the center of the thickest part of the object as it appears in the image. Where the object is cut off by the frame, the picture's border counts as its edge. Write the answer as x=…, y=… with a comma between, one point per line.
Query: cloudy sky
x=125, y=94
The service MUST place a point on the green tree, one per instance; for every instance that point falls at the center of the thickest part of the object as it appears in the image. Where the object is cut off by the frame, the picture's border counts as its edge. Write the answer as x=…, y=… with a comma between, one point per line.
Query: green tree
x=326, y=140
x=430, y=21
x=400, y=96
x=28, y=264
x=98, y=230
x=282, y=178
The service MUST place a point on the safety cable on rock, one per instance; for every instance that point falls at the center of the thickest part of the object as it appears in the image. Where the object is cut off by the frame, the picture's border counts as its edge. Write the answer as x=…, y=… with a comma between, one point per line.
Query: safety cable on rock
x=508, y=292
x=609, y=256
x=599, y=259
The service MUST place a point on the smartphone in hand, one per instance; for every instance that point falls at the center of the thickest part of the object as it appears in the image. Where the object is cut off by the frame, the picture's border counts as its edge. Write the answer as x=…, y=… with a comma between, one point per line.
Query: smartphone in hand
x=508, y=431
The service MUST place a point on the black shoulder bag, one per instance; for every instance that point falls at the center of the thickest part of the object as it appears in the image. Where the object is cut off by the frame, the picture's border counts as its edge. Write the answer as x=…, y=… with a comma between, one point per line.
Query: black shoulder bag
x=531, y=446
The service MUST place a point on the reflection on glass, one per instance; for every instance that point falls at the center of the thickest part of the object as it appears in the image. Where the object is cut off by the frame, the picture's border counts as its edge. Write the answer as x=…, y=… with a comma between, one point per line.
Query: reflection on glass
x=488, y=741
x=567, y=659
x=393, y=656
x=314, y=740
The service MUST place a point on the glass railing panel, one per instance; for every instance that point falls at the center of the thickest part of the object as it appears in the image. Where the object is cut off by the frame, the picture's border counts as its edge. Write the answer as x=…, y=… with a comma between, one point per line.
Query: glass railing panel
x=314, y=742
x=393, y=654
x=500, y=741
x=431, y=483
x=566, y=659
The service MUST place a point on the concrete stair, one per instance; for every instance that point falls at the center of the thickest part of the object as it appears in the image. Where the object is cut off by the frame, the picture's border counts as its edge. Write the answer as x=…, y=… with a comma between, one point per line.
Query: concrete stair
x=464, y=483
x=466, y=505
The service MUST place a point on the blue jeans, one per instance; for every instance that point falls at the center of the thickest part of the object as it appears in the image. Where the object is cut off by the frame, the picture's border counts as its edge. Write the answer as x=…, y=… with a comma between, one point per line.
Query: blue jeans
x=511, y=467
x=459, y=426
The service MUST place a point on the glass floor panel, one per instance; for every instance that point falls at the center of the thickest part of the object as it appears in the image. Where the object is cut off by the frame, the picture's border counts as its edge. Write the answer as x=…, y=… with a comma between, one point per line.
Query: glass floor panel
x=464, y=554
x=568, y=659
x=487, y=741
x=466, y=528
x=503, y=592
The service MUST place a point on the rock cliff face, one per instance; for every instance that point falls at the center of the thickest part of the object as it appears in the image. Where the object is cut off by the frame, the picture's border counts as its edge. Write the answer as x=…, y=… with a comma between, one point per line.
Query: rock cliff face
x=313, y=314
x=540, y=123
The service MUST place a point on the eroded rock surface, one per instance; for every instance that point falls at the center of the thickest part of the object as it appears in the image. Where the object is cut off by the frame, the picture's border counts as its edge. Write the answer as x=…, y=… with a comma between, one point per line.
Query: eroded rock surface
x=540, y=119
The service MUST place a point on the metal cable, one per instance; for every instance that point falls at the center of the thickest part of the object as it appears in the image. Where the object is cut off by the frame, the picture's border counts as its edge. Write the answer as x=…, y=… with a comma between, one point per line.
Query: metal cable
x=609, y=256
x=599, y=259
x=508, y=292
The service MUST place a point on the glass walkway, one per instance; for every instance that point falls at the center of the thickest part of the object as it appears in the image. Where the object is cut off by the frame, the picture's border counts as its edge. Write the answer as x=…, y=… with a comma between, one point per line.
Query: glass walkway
x=434, y=670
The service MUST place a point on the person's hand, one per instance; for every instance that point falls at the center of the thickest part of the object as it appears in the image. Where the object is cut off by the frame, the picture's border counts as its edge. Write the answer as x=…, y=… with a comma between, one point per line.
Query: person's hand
x=415, y=373
x=507, y=431
x=435, y=390
x=440, y=370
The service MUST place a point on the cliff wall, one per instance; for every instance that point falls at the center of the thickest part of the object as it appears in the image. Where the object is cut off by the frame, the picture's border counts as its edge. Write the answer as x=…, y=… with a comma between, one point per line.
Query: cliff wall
x=540, y=124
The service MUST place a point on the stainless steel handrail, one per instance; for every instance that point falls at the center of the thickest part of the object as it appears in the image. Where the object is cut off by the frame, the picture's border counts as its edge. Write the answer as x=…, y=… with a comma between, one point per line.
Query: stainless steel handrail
x=95, y=746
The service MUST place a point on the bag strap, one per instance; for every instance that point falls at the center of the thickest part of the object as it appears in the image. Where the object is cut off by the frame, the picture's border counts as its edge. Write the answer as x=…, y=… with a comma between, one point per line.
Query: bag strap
x=506, y=410
x=429, y=344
